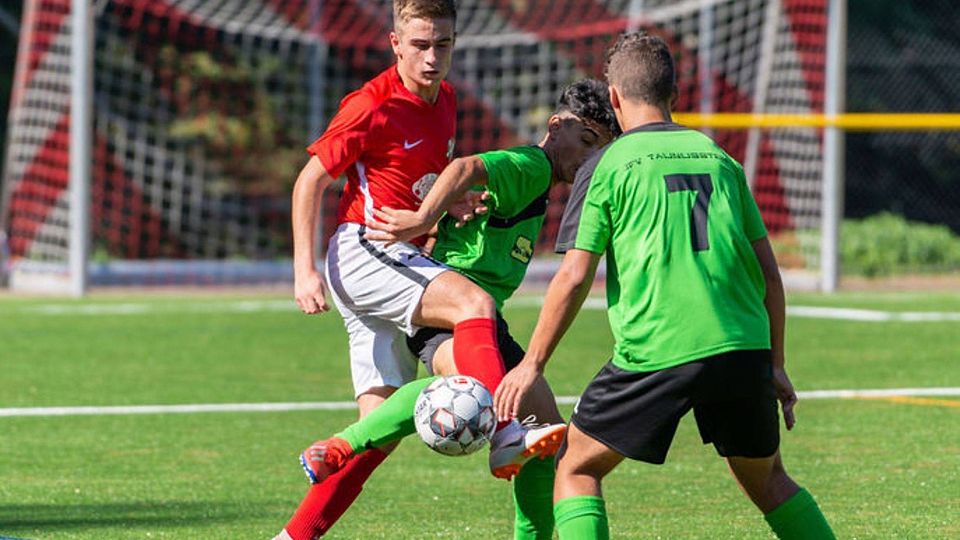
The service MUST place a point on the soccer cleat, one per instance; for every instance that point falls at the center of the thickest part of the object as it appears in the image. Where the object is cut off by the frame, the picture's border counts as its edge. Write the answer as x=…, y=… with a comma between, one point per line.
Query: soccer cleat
x=324, y=458
x=516, y=444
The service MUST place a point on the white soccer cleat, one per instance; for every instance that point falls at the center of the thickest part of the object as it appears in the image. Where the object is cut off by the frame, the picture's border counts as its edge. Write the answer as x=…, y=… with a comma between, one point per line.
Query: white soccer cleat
x=517, y=443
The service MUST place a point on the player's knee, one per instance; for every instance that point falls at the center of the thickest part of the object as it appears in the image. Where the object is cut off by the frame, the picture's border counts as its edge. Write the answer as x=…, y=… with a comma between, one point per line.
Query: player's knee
x=768, y=486
x=475, y=302
x=573, y=463
x=780, y=486
x=371, y=398
x=443, y=363
x=579, y=474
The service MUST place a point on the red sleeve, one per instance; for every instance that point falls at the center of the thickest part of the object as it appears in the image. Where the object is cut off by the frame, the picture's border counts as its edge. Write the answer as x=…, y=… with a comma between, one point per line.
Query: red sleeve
x=346, y=136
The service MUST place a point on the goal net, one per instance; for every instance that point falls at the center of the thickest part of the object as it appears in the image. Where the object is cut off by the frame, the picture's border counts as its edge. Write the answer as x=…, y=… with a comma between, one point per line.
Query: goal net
x=202, y=111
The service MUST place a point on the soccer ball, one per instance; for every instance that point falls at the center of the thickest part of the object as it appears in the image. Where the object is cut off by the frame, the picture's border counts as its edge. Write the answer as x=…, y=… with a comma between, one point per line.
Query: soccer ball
x=454, y=415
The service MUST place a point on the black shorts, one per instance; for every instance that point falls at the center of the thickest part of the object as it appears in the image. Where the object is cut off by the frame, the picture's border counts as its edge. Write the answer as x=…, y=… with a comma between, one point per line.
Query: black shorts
x=424, y=345
x=731, y=394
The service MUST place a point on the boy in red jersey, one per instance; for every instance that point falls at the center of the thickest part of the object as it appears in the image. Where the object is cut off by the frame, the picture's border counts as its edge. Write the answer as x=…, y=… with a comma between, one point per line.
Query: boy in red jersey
x=391, y=138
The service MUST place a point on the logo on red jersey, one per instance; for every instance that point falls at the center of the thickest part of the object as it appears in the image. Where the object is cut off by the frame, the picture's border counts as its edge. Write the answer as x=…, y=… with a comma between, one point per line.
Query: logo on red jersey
x=422, y=186
x=450, y=144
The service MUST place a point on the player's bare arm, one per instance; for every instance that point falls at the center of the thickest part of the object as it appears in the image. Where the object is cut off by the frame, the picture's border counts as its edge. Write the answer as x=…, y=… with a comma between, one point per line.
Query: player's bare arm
x=309, y=289
x=473, y=203
x=565, y=295
x=394, y=225
x=775, y=303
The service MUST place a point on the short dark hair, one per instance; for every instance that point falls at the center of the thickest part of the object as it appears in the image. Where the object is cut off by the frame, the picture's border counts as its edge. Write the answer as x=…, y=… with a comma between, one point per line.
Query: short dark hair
x=589, y=99
x=404, y=10
x=641, y=67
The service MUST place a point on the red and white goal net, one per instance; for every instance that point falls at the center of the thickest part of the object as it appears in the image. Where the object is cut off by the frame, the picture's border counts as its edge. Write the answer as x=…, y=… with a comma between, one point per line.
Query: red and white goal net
x=202, y=110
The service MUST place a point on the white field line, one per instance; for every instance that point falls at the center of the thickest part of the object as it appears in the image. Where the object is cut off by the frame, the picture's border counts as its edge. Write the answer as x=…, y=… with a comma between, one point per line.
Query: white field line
x=870, y=315
x=592, y=303
x=347, y=405
x=809, y=312
x=236, y=306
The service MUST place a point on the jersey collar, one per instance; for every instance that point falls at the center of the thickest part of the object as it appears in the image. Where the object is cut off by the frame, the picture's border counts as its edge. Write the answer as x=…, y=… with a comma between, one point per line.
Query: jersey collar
x=657, y=126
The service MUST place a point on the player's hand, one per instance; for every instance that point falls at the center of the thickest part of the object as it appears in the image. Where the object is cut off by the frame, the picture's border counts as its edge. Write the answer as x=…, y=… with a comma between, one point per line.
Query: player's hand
x=787, y=396
x=515, y=384
x=310, y=292
x=472, y=204
x=391, y=225
x=431, y=241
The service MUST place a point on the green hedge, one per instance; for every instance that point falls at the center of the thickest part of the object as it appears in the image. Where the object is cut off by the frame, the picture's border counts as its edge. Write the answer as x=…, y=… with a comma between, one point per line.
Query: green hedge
x=887, y=244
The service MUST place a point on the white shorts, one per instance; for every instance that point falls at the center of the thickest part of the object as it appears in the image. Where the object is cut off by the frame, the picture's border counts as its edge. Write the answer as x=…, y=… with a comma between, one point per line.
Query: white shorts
x=377, y=288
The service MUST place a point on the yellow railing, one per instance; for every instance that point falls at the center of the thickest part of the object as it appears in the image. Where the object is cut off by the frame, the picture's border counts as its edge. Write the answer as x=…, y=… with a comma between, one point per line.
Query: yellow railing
x=848, y=121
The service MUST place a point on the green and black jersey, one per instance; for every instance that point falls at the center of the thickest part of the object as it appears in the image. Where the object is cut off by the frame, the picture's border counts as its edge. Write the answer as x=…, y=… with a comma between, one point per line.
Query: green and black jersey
x=495, y=249
x=673, y=213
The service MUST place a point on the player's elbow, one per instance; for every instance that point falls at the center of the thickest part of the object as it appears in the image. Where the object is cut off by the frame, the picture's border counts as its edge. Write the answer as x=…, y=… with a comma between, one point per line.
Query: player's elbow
x=576, y=270
x=313, y=176
x=470, y=168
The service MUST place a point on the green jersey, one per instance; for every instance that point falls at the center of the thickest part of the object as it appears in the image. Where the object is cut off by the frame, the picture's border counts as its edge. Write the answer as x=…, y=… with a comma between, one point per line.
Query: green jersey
x=676, y=219
x=495, y=249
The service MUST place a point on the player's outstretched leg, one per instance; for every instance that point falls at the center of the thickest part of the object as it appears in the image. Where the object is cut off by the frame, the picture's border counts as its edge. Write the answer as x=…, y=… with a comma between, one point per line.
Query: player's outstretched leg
x=533, y=485
x=790, y=510
x=579, y=508
x=323, y=458
x=513, y=444
x=325, y=503
x=533, y=500
x=451, y=300
x=369, y=440
x=391, y=421
x=516, y=443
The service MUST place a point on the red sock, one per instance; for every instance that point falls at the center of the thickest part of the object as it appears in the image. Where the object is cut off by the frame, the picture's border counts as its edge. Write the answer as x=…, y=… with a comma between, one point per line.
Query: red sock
x=476, y=354
x=328, y=500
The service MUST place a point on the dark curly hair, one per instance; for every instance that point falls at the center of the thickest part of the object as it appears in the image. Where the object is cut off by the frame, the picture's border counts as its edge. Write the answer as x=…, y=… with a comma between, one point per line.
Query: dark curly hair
x=588, y=99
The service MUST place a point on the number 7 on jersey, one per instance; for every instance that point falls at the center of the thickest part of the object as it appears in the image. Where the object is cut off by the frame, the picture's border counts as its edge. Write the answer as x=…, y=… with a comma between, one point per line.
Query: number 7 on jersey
x=703, y=187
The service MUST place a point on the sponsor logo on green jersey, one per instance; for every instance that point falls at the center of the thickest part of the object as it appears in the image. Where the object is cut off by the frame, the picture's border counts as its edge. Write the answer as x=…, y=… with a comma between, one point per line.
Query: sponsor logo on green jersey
x=522, y=249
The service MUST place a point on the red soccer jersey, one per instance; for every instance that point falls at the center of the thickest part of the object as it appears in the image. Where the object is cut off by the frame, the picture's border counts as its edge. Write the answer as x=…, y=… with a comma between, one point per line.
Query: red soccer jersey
x=391, y=143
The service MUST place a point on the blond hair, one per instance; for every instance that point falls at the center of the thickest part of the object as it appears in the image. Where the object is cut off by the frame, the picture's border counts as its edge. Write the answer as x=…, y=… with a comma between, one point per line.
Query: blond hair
x=404, y=10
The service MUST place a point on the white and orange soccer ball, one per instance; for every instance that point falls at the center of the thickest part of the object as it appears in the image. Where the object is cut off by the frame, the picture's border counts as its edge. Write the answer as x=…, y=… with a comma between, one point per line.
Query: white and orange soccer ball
x=454, y=415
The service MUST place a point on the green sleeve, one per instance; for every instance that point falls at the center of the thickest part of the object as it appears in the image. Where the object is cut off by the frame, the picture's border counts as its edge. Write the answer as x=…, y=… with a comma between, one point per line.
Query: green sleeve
x=752, y=220
x=515, y=177
x=596, y=222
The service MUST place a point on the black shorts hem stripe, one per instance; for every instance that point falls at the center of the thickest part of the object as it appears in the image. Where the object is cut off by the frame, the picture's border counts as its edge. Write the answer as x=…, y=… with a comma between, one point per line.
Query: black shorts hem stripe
x=333, y=275
x=401, y=268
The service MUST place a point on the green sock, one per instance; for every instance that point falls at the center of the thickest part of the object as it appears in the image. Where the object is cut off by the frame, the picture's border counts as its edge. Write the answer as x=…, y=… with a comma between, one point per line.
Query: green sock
x=391, y=421
x=581, y=518
x=533, y=500
x=799, y=518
